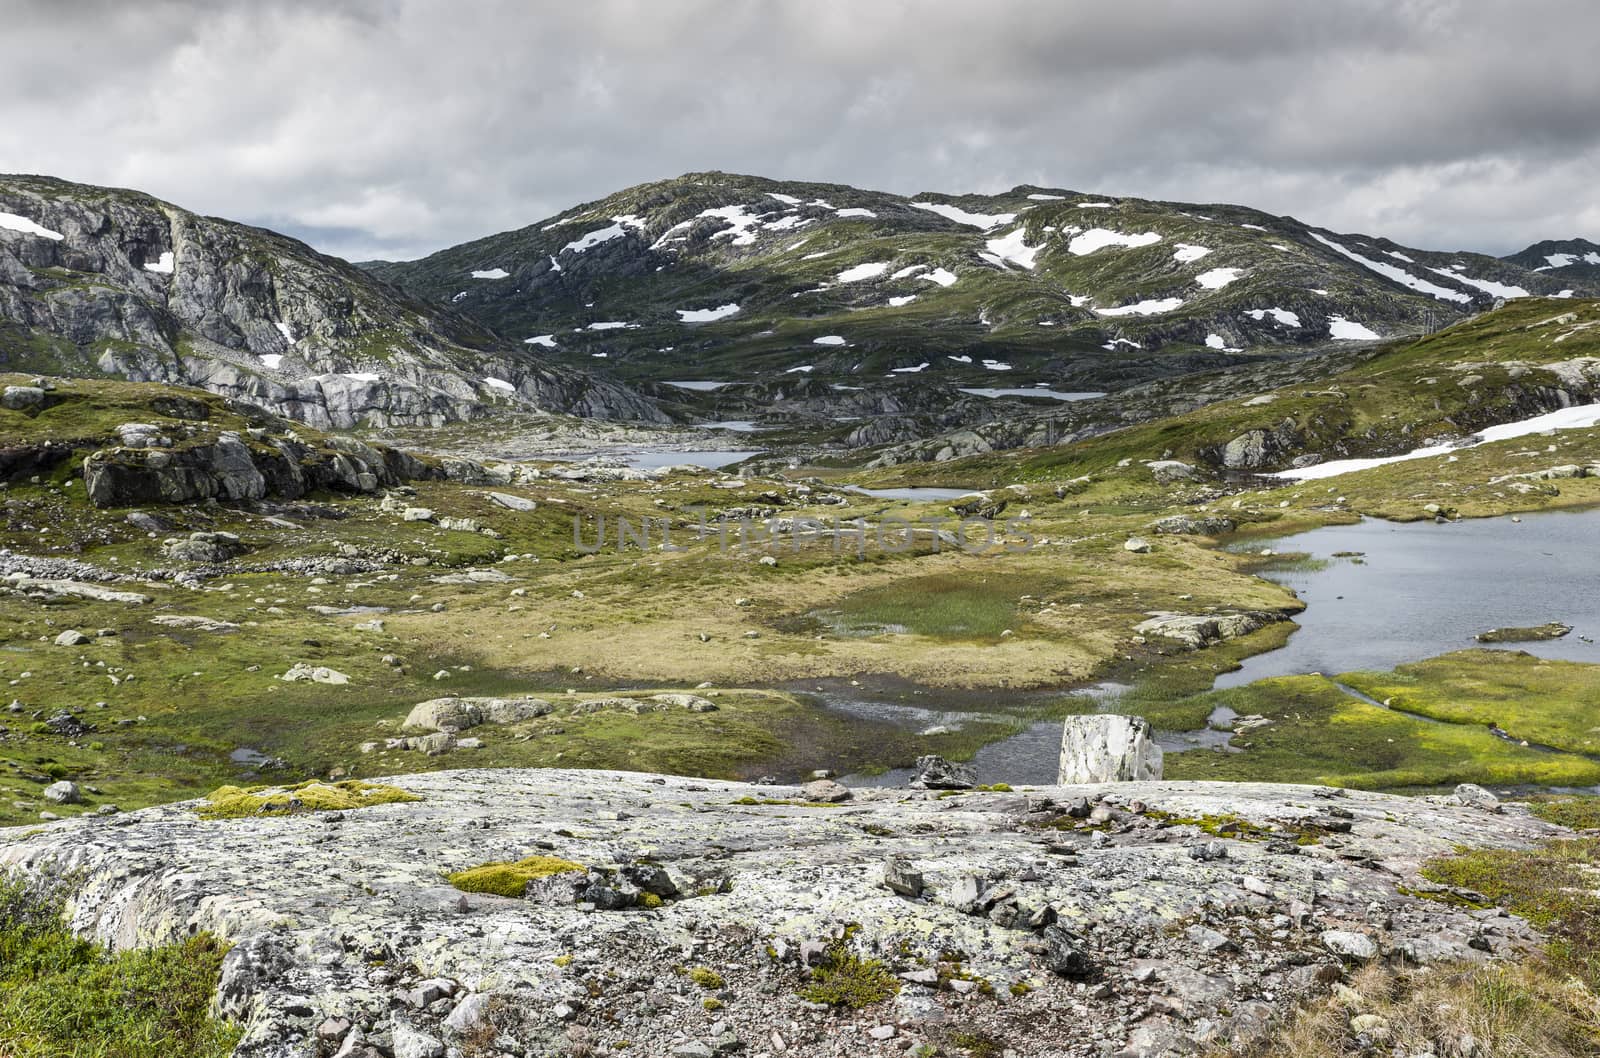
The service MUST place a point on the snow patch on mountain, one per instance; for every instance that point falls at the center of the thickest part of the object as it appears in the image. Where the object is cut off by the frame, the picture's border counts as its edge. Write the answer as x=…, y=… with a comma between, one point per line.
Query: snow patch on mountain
x=612, y=325
x=499, y=383
x=1036, y=197
x=13, y=222
x=486, y=273
x=1099, y=238
x=943, y=276
x=1188, y=252
x=1152, y=307
x=546, y=340
x=904, y=299
x=1395, y=273
x=721, y=312
x=855, y=211
x=1488, y=286
x=285, y=330
x=870, y=270
x=984, y=221
x=1218, y=278
x=1349, y=330
x=1013, y=247
x=828, y=339
x=163, y=265
x=1283, y=316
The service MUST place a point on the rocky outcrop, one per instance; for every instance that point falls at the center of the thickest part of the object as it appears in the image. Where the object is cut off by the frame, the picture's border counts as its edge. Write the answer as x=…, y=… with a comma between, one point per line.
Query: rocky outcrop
x=346, y=932
x=235, y=467
x=140, y=289
x=1108, y=748
x=1197, y=631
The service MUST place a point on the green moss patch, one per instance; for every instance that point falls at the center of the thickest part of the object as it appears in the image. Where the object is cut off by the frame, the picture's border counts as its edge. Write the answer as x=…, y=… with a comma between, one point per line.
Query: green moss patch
x=234, y=802
x=510, y=879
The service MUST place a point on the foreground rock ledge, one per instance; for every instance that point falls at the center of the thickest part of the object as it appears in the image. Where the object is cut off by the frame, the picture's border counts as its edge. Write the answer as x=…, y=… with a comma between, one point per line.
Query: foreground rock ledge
x=1188, y=935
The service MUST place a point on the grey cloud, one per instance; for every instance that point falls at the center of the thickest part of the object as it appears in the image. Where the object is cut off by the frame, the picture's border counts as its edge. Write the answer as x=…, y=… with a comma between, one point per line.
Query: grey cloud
x=401, y=126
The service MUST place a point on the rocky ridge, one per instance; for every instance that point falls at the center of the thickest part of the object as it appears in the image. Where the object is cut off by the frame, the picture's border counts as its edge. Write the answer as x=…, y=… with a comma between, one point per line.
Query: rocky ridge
x=724, y=276
x=1131, y=918
x=105, y=282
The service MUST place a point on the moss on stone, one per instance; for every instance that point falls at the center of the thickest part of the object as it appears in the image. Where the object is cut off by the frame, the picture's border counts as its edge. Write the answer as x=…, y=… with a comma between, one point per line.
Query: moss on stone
x=510, y=879
x=235, y=802
x=705, y=977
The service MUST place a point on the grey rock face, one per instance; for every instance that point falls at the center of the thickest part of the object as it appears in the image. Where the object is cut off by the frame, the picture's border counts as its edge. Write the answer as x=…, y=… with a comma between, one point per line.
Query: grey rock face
x=322, y=910
x=140, y=289
x=1108, y=748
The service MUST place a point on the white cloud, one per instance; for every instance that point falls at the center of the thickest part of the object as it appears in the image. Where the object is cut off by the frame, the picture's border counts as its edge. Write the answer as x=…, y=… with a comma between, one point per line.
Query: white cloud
x=399, y=128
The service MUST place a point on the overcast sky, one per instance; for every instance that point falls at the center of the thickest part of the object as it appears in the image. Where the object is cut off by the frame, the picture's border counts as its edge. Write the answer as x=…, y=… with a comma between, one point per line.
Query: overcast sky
x=395, y=127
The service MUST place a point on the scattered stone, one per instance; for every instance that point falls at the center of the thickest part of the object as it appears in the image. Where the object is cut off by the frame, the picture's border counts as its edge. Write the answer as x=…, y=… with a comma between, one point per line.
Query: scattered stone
x=513, y=503
x=1350, y=945
x=1475, y=796
x=315, y=673
x=935, y=773
x=71, y=638
x=825, y=790
x=902, y=876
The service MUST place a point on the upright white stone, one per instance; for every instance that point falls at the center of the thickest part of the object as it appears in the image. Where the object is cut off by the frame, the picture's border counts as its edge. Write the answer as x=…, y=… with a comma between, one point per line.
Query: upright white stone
x=1108, y=748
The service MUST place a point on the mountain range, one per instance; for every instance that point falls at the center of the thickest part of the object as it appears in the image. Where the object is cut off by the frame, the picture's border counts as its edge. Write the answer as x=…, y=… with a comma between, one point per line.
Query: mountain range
x=809, y=288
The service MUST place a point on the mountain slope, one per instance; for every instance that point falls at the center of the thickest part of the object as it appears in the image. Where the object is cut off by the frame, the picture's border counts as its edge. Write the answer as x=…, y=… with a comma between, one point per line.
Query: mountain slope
x=1525, y=359
x=1574, y=259
x=714, y=275
x=98, y=281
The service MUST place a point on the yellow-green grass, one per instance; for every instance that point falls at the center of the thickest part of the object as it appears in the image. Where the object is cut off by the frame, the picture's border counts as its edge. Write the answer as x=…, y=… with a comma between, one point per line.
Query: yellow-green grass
x=510, y=878
x=1552, y=703
x=1552, y=886
x=1319, y=734
x=65, y=997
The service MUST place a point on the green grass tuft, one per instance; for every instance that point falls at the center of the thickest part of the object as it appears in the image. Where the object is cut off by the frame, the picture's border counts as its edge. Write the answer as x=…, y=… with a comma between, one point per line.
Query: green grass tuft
x=65, y=997
x=845, y=979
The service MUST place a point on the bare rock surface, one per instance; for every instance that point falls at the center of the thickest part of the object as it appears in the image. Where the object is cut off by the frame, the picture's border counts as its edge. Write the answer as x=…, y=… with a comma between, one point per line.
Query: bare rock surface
x=1088, y=919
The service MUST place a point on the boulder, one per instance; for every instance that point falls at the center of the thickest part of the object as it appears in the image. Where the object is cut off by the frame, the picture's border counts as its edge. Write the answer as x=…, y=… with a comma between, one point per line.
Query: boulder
x=62, y=793
x=1137, y=544
x=1169, y=471
x=300, y=671
x=935, y=773
x=902, y=876
x=21, y=398
x=71, y=638
x=1188, y=525
x=1107, y=748
x=826, y=790
x=1347, y=944
x=512, y=503
x=455, y=715
x=205, y=547
x=1197, y=631
x=1474, y=796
